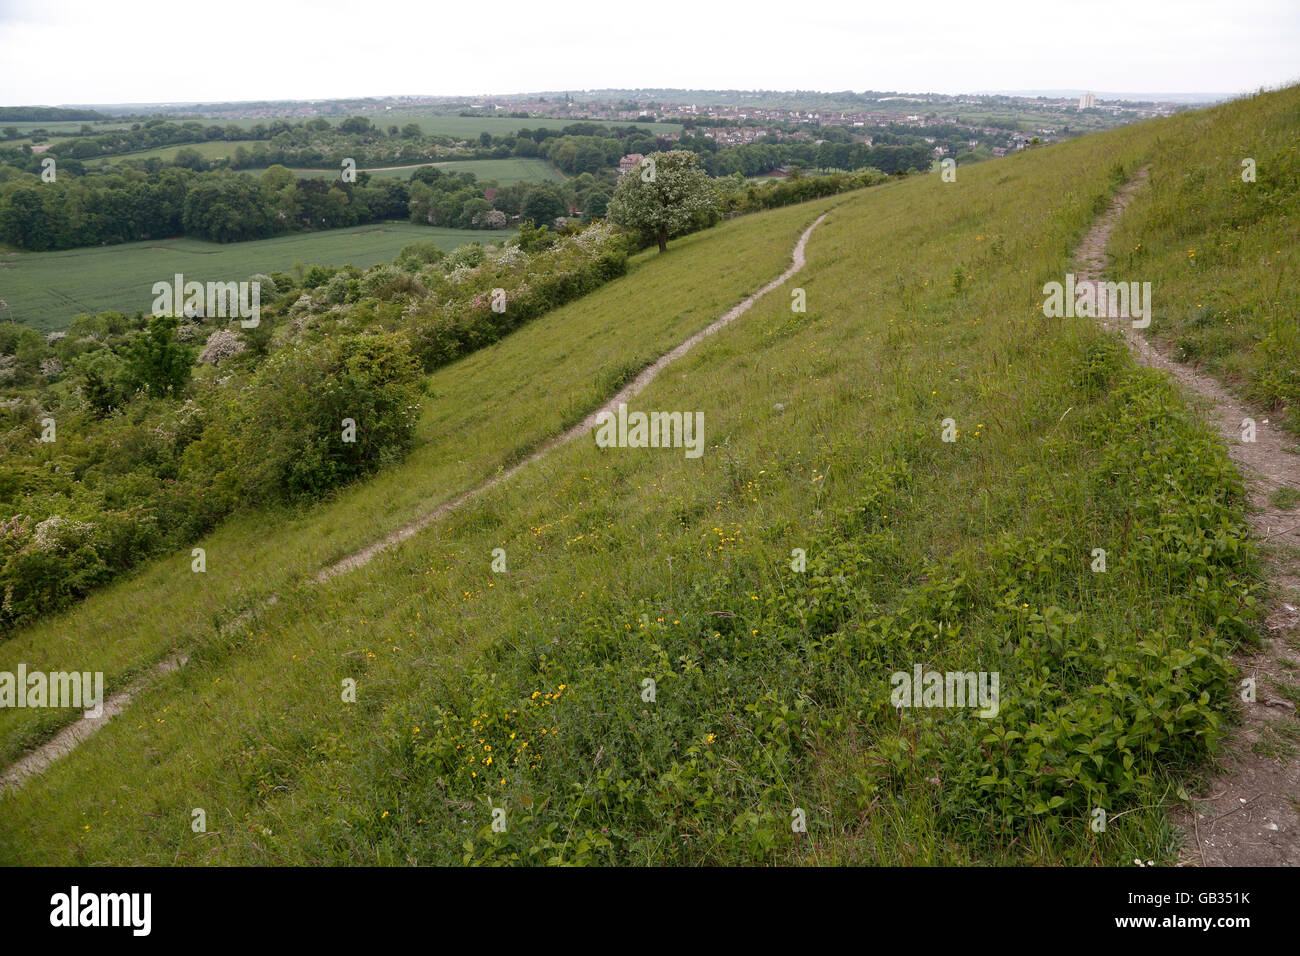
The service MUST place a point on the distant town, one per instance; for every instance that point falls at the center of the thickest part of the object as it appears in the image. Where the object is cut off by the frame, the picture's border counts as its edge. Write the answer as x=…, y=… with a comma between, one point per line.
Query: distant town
x=733, y=118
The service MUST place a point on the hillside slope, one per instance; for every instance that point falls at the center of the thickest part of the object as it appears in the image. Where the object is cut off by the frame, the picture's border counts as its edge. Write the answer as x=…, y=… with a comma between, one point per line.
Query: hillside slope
x=479, y=416
x=771, y=697
x=1215, y=232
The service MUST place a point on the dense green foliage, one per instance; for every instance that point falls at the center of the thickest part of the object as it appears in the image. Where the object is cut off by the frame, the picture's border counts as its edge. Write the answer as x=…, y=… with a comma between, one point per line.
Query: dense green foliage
x=166, y=466
x=737, y=195
x=491, y=299
x=125, y=205
x=144, y=460
x=670, y=195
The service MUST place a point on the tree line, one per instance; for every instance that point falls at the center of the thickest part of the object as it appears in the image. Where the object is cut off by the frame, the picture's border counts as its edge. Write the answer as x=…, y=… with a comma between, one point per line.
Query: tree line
x=130, y=205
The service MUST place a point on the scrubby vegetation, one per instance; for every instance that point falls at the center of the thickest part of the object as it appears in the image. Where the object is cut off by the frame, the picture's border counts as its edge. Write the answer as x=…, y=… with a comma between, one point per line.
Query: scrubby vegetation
x=148, y=452
x=146, y=456
x=654, y=679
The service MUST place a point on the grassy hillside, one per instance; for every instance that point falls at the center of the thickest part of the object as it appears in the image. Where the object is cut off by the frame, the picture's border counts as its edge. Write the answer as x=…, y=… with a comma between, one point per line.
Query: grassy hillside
x=526, y=690
x=46, y=289
x=554, y=371
x=1221, y=252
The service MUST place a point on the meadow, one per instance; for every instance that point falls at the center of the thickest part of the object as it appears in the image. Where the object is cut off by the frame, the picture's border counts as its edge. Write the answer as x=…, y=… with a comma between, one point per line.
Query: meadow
x=654, y=679
x=506, y=172
x=46, y=289
x=25, y=128
x=214, y=150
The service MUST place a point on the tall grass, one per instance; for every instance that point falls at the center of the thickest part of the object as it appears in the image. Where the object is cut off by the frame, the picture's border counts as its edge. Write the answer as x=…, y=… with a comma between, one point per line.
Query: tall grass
x=526, y=691
x=1221, y=251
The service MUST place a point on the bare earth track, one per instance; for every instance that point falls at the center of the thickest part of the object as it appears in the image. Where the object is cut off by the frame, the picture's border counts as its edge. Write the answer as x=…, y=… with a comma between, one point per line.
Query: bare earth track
x=72, y=736
x=1249, y=815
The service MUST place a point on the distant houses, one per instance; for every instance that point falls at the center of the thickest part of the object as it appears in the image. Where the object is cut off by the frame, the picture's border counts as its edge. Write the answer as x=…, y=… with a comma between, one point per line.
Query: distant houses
x=629, y=163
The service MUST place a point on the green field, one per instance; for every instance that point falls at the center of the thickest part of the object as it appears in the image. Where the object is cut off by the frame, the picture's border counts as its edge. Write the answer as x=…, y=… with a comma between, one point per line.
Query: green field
x=505, y=171
x=216, y=149
x=46, y=289
x=461, y=127
x=70, y=126
x=66, y=126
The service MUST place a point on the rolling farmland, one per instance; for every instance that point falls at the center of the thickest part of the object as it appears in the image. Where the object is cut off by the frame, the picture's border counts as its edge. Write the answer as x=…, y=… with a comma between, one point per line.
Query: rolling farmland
x=46, y=289
x=462, y=127
x=505, y=171
x=216, y=149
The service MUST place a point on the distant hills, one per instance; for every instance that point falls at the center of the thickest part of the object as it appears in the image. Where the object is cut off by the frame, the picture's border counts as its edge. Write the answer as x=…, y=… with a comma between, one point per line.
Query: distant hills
x=43, y=114
x=758, y=98
x=1132, y=97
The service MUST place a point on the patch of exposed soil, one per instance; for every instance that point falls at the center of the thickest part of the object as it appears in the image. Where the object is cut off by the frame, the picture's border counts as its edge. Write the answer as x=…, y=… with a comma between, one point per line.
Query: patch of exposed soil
x=1249, y=814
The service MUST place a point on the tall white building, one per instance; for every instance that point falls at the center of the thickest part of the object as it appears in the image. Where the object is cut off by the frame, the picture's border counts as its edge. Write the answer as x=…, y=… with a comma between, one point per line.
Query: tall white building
x=1087, y=101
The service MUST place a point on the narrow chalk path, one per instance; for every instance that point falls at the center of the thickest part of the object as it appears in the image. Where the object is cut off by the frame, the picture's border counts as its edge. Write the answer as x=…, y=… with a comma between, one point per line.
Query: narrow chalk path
x=77, y=733
x=1249, y=815
x=647, y=376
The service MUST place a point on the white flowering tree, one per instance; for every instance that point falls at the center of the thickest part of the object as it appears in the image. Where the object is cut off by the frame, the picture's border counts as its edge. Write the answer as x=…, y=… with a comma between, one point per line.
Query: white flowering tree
x=221, y=345
x=665, y=195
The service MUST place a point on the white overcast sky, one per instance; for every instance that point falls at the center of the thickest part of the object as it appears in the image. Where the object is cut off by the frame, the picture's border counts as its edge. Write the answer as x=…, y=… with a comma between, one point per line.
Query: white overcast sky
x=140, y=51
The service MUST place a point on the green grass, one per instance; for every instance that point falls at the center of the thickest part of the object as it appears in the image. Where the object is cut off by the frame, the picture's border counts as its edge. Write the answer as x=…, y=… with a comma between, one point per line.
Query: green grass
x=506, y=172
x=46, y=289
x=550, y=371
x=461, y=127
x=70, y=126
x=1285, y=498
x=772, y=687
x=1221, y=253
x=214, y=149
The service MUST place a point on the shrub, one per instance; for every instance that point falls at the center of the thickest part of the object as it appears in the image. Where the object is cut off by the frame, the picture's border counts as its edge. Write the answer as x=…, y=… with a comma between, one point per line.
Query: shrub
x=56, y=565
x=442, y=331
x=469, y=255
x=155, y=362
x=221, y=345
x=268, y=287
x=387, y=282
x=340, y=288
x=293, y=429
x=418, y=254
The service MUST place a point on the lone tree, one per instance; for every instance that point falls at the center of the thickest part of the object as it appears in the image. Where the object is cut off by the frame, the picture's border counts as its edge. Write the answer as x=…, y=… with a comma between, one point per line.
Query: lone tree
x=665, y=195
